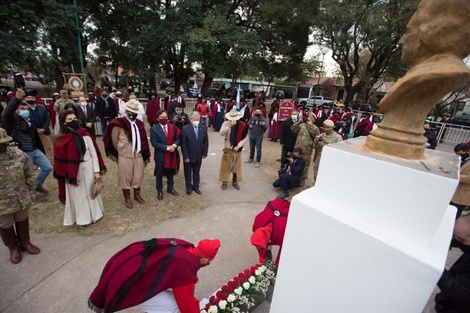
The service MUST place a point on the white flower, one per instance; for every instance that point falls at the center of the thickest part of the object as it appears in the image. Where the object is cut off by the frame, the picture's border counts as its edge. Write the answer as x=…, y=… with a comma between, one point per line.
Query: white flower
x=262, y=268
x=203, y=311
x=231, y=297
x=252, y=279
x=238, y=291
x=257, y=272
x=213, y=309
x=246, y=285
x=222, y=304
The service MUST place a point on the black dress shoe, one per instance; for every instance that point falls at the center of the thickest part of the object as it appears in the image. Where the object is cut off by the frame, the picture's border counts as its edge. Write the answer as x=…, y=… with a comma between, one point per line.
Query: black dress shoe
x=188, y=191
x=173, y=192
x=160, y=196
x=196, y=190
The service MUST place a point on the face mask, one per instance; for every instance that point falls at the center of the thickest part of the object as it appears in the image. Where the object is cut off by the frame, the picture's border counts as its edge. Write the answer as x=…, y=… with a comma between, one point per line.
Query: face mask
x=73, y=124
x=104, y=95
x=132, y=117
x=464, y=156
x=179, y=112
x=119, y=96
x=258, y=115
x=294, y=118
x=163, y=121
x=83, y=104
x=195, y=123
x=24, y=113
x=3, y=148
x=294, y=157
x=30, y=102
x=91, y=98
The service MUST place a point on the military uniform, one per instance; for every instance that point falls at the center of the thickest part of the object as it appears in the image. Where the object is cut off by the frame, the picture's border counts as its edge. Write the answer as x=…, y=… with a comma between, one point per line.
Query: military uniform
x=17, y=184
x=305, y=136
x=332, y=138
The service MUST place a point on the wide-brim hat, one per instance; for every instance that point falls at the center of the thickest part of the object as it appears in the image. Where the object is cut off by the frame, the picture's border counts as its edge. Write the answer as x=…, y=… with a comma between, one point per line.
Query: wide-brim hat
x=329, y=123
x=97, y=188
x=4, y=137
x=233, y=115
x=133, y=106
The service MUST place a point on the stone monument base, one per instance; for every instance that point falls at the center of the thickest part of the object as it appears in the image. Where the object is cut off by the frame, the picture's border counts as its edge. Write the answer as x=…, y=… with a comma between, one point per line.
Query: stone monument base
x=371, y=236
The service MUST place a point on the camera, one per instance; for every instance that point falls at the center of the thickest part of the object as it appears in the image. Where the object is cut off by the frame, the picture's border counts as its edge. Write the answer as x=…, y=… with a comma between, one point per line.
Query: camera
x=289, y=155
x=180, y=119
x=320, y=138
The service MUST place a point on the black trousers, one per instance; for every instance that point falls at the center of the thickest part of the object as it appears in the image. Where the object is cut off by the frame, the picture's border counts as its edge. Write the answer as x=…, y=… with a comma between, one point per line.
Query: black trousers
x=191, y=170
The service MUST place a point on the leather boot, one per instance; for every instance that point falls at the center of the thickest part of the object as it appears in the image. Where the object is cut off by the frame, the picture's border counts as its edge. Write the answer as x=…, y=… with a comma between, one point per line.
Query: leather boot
x=22, y=232
x=234, y=182
x=137, y=196
x=10, y=240
x=127, y=197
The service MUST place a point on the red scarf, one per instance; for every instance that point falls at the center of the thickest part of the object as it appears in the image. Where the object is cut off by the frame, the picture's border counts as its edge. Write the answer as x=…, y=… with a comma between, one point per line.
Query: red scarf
x=171, y=160
x=238, y=132
x=123, y=123
x=142, y=270
x=67, y=159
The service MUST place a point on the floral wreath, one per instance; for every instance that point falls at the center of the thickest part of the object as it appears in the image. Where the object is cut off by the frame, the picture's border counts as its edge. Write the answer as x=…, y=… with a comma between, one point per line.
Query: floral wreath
x=243, y=291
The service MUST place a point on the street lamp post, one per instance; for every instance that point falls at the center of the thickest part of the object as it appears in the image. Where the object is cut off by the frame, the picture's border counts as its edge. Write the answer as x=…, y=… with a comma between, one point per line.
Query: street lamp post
x=323, y=52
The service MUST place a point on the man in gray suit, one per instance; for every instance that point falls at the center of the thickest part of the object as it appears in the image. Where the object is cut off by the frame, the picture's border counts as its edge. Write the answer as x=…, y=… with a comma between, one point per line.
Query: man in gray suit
x=194, y=144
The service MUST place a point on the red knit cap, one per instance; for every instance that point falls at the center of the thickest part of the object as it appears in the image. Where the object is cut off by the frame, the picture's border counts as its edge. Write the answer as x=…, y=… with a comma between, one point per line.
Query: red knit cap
x=208, y=248
x=260, y=240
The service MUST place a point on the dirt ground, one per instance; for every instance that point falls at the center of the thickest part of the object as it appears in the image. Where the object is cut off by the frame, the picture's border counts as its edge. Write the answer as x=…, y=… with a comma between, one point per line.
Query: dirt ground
x=47, y=217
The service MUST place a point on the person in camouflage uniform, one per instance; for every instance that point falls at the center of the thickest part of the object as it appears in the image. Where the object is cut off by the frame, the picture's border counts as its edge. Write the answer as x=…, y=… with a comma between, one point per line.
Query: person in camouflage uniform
x=17, y=191
x=306, y=132
x=328, y=137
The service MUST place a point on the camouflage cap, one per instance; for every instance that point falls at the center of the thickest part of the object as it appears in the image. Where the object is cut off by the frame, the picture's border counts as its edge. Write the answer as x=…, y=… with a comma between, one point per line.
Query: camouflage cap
x=4, y=137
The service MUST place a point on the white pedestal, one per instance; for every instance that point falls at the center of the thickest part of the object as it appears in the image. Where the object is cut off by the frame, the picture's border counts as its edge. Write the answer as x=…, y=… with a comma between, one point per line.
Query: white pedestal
x=371, y=236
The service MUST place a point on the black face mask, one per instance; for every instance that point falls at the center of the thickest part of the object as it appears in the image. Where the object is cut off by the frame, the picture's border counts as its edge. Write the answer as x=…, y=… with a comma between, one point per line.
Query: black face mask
x=132, y=117
x=258, y=115
x=464, y=156
x=91, y=98
x=30, y=102
x=73, y=124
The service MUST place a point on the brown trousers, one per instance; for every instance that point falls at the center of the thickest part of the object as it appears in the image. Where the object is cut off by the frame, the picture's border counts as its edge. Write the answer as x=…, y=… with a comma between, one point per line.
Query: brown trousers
x=7, y=221
x=231, y=163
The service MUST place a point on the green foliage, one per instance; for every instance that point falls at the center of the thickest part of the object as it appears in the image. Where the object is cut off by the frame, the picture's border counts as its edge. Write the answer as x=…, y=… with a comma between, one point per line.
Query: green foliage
x=363, y=37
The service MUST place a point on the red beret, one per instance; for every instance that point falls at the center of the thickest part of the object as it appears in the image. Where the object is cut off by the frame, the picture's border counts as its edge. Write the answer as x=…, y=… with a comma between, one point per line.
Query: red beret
x=208, y=248
x=260, y=240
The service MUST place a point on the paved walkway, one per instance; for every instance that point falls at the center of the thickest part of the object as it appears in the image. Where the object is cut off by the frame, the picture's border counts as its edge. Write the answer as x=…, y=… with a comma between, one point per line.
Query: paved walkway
x=61, y=278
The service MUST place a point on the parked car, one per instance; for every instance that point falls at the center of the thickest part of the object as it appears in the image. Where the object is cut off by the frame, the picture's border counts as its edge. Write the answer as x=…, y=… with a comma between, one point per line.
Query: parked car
x=172, y=89
x=317, y=100
x=463, y=120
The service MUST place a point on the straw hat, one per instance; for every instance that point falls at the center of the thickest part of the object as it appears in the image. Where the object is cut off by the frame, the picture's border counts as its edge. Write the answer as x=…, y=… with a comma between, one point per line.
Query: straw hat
x=97, y=188
x=133, y=106
x=4, y=137
x=233, y=115
x=329, y=123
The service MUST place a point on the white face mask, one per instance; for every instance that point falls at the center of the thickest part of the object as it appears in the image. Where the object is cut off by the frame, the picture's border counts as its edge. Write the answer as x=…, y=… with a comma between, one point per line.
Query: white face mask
x=195, y=123
x=83, y=104
x=294, y=118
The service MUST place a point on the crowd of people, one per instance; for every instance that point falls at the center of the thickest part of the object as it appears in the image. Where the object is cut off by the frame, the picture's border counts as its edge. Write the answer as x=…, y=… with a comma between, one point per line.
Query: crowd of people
x=77, y=164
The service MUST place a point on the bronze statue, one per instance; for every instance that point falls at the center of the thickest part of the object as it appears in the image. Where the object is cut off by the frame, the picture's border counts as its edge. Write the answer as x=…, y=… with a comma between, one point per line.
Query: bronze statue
x=437, y=39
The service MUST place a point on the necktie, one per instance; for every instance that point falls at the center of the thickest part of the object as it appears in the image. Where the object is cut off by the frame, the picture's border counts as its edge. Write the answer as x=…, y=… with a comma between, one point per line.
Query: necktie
x=136, y=130
x=165, y=131
x=195, y=131
x=85, y=112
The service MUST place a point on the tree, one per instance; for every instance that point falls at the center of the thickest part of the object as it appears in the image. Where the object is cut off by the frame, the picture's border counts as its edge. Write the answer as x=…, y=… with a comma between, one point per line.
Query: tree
x=363, y=37
x=449, y=102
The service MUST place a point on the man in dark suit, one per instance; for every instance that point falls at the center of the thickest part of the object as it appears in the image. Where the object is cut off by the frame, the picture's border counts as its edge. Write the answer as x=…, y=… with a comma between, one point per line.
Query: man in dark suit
x=195, y=144
x=106, y=109
x=165, y=138
x=288, y=137
x=86, y=115
x=290, y=178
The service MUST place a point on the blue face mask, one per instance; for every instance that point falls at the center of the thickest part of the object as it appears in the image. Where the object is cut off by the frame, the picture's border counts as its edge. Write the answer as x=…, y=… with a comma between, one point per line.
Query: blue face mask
x=24, y=113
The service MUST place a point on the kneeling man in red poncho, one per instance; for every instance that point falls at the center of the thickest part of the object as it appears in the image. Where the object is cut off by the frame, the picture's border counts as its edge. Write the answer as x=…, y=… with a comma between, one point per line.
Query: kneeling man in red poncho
x=158, y=275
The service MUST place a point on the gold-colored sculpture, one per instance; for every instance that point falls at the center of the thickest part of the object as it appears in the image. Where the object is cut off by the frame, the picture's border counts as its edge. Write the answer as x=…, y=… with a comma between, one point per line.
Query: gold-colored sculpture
x=437, y=39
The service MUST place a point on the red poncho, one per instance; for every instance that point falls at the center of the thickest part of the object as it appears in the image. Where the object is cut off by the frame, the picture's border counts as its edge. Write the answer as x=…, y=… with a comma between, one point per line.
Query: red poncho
x=67, y=158
x=142, y=270
x=171, y=160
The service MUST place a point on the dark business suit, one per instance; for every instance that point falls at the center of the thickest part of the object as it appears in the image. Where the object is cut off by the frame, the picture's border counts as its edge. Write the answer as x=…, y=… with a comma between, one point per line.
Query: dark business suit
x=288, y=138
x=193, y=149
x=159, y=142
x=89, y=117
